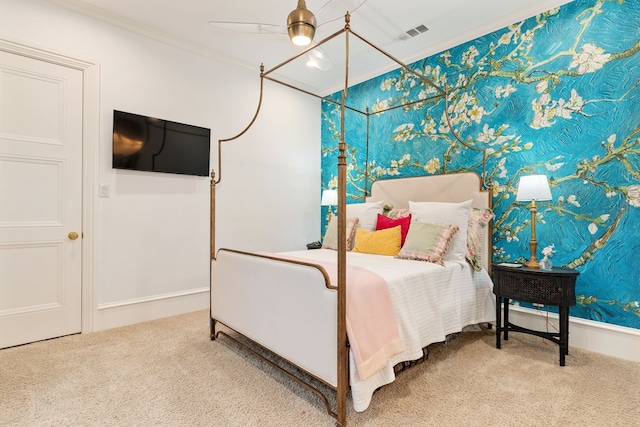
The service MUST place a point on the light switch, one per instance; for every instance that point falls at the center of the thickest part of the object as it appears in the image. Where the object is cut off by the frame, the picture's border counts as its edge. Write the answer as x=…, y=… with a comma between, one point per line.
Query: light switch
x=104, y=190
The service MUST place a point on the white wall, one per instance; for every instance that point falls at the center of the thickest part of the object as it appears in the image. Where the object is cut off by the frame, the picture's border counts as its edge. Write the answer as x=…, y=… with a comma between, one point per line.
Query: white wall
x=152, y=242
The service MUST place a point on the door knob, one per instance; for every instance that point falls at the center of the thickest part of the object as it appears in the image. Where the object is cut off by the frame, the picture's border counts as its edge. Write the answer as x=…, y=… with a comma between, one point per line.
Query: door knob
x=73, y=235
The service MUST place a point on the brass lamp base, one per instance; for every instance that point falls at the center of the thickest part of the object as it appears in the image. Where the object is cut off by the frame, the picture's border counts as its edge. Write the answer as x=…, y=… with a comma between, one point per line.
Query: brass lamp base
x=533, y=260
x=533, y=244
x=532, y=263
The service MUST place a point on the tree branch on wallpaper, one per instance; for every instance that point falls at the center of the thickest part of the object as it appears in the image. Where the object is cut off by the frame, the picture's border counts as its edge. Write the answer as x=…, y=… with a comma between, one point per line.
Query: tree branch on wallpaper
x=599, y=243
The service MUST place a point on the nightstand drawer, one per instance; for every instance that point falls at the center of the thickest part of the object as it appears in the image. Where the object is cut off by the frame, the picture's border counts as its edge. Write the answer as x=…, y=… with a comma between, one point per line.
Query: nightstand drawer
x=542, y=289
x=555, y=287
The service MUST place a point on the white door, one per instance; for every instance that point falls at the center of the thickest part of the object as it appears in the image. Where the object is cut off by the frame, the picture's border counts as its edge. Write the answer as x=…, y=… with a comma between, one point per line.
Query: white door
x=40, y=200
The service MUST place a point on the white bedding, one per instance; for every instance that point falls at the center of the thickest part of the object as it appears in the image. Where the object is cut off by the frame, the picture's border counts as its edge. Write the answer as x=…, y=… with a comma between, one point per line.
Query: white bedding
x=429, y=301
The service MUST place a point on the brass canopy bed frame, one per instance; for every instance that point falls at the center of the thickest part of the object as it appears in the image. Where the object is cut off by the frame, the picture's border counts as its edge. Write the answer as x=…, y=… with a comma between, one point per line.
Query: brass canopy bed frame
x=340, y=380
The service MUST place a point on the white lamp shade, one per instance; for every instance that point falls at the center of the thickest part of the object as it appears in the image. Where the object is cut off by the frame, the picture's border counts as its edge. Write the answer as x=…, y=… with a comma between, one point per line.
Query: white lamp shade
x=533, y=187
x=329, y=198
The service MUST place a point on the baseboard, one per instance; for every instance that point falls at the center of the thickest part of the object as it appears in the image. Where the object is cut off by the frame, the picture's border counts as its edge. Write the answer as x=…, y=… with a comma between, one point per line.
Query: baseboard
x=612, y=340
x=129, y=312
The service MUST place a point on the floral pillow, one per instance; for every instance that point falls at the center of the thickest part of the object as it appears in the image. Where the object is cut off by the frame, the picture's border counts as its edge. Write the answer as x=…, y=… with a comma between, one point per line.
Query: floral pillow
x=330, y=240
x=428, y=242
x=478, y=219
x=397, y=213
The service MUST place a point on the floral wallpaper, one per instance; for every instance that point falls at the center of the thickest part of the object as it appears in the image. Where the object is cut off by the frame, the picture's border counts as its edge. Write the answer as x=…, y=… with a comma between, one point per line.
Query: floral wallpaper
x=557, y=94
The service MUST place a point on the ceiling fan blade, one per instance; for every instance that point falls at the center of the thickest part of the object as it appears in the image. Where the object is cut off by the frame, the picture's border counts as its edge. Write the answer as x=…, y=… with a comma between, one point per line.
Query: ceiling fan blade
x=249, y=27
x=319, y=59
x=333, y=10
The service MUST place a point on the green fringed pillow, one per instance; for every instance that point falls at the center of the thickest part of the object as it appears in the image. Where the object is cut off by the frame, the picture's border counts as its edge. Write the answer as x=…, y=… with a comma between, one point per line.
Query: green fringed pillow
x=428, y=242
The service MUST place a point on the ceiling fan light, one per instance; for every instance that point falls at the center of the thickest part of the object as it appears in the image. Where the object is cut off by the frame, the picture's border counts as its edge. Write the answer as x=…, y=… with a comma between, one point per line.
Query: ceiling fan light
x=301, y=34
x=301, y=25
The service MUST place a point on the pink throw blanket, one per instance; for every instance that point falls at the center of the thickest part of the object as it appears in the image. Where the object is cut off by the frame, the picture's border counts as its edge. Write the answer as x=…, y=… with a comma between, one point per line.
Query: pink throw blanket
x=371, y=324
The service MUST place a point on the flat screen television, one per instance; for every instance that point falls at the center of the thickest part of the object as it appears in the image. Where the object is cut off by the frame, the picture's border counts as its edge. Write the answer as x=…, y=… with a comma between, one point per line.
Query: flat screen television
x=149, y=144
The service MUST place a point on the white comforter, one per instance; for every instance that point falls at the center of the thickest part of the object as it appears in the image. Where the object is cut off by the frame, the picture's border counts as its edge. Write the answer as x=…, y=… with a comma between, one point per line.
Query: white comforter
x=430, y=302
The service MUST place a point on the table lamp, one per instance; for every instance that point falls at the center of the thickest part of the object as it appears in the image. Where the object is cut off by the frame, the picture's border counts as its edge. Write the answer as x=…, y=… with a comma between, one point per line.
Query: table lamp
x=532, y=188
x=329, y=198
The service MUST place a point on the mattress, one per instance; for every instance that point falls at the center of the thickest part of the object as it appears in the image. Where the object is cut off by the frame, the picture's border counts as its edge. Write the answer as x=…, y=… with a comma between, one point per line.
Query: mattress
x=429, y=302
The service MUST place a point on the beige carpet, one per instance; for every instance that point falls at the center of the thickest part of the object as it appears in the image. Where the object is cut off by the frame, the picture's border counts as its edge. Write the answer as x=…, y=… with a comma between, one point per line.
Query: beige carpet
x=168, y=373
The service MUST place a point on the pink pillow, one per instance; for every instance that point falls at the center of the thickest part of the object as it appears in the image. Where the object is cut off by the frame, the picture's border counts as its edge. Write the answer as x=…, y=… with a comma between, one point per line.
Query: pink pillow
x=386, y=222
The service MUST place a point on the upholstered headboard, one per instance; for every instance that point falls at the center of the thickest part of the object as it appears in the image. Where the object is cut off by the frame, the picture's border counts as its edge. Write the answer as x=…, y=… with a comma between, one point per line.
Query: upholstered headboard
x=452, y=188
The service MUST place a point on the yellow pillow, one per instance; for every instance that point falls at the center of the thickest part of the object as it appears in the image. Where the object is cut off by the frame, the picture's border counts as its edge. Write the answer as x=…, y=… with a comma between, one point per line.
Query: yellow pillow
x=381, y=242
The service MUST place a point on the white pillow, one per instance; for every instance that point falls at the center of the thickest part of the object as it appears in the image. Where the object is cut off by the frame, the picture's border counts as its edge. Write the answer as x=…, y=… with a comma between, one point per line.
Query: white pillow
x=446, y=213
x=367, y=213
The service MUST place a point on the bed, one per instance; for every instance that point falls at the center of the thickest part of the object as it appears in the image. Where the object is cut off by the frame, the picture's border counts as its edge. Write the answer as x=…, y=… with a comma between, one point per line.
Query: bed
x=346, y=316
x=288, y=302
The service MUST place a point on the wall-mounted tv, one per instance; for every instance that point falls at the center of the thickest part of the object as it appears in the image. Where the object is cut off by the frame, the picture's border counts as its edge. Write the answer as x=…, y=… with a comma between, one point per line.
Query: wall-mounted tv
x=149, y=144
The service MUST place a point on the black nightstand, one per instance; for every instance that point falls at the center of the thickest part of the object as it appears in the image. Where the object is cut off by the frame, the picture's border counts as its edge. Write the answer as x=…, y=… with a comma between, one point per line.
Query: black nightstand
x=550, y=287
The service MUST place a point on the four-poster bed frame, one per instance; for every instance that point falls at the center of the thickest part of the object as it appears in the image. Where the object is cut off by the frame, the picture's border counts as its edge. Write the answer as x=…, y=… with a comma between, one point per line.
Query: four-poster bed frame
x=339, y=381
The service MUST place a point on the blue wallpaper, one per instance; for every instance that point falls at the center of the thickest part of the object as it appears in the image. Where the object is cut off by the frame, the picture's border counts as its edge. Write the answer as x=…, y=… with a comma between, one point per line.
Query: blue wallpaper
x=557, y=94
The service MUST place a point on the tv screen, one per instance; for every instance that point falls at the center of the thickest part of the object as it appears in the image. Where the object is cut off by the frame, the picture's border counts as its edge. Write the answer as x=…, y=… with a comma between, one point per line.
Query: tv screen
x=150, y=144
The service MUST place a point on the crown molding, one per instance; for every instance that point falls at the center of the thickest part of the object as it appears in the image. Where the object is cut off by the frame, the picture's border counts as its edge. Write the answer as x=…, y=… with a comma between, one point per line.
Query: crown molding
x=152, y=33
x=463, y=37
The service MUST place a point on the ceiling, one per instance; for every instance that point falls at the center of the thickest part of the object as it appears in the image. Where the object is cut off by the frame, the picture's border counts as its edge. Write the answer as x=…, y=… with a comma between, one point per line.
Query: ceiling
x=185, y=24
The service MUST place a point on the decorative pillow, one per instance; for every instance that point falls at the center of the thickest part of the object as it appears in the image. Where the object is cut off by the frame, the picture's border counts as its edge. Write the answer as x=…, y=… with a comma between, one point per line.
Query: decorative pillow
x=446, y=213
x=398, y=213
x=478, y=219
x=382, y=242
x=330, y=240
x=428, y=242
x=404, y=223
x=366, y=212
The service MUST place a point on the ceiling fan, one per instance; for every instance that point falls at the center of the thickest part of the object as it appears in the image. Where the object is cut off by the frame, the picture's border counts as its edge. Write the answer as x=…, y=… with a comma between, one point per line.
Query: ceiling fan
x=301, y=26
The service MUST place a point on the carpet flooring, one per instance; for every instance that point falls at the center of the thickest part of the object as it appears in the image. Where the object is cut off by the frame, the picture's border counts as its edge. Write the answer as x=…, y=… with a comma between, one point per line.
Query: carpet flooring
x=168, y=373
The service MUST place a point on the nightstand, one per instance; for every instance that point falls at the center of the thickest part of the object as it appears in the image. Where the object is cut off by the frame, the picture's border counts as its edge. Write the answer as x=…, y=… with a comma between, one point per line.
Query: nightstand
x=550, y=287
